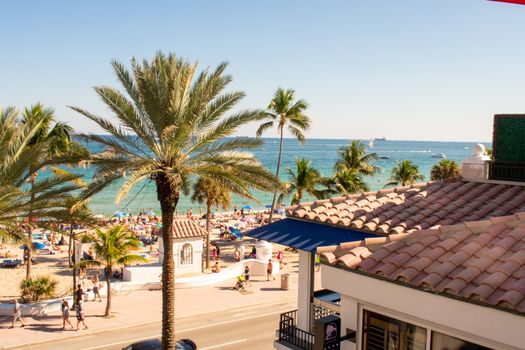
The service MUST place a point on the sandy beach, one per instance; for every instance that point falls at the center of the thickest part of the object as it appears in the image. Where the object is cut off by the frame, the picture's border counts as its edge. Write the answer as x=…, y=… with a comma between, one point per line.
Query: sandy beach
x=56, y=265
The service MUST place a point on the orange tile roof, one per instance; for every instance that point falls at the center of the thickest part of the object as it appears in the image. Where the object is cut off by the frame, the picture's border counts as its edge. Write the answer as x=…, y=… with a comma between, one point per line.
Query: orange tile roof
x=185, y=228
x=481, y=261
x=417, y=207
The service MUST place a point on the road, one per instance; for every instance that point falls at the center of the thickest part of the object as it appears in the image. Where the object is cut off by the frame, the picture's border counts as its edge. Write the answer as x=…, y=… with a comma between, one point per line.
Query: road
x=253, y=329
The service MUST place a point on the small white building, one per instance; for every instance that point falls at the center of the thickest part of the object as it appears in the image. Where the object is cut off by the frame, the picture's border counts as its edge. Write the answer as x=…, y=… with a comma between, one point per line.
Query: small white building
x=187, y=246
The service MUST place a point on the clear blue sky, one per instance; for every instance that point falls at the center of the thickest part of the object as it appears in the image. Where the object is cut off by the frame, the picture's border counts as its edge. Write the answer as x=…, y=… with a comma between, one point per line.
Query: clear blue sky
x=404, y=69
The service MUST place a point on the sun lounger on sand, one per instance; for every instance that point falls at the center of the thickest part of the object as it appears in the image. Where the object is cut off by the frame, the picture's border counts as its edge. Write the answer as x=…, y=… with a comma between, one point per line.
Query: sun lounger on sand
x=10, y=263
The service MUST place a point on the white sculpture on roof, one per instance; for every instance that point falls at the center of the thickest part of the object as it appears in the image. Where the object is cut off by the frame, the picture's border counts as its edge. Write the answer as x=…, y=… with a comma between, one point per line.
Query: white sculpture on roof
x=474, y=168
x=478, y=153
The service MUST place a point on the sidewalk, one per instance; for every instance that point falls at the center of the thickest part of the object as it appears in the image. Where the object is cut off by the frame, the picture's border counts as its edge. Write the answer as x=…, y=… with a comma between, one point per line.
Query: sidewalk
x=142, y=307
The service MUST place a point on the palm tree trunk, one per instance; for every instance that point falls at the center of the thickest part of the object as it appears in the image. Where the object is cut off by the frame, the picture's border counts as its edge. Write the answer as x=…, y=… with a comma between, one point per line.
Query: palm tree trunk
x=109, y=271
x=74, y=275
x=277, y=172
x=168, y=196
x=208, y=210
x=69, y=251
x=30, y=228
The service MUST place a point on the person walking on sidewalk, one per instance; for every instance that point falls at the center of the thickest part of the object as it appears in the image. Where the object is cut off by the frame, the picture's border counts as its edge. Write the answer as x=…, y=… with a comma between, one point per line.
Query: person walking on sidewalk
x=280, y=257
x=269, y=270
x=247, y=275
x=65, y=314
x=80, y=315
x=96, y=286
x=17, y=314
x=79, y=294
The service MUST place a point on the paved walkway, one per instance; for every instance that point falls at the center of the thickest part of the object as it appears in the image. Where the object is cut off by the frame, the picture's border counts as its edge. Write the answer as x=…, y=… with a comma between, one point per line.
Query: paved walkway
x=141, y=307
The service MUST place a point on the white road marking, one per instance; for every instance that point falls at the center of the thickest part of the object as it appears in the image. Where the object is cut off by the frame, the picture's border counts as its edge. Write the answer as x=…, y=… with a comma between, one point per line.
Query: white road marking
x=120, y=342
x=224, y=344
x=185, y=330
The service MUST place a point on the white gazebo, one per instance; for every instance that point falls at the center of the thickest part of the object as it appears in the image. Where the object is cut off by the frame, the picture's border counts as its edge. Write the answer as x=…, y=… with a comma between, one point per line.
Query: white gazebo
x=187, y=246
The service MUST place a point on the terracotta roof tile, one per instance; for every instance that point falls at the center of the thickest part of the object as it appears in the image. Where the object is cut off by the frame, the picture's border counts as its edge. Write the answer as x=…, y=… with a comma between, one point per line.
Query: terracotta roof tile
x=482, y=261
x=184, y=228
x=423, y=205
x=510, y=299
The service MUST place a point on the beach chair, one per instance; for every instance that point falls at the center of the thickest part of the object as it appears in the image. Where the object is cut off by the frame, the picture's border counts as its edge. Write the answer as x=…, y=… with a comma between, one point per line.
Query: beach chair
x=11, y=263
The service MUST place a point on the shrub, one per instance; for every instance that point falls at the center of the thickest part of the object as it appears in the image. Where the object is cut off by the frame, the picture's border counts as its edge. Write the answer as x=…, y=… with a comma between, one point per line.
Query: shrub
x=36, y=289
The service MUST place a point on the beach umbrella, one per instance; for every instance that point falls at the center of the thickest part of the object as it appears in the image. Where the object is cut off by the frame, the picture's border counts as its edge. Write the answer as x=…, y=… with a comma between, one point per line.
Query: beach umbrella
x=120, y=214
x=247, y=207
x=236, y=232
x=36, y=245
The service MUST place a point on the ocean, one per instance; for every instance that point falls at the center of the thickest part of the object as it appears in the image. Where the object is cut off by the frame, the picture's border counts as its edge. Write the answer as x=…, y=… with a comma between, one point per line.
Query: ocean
x=322, y=153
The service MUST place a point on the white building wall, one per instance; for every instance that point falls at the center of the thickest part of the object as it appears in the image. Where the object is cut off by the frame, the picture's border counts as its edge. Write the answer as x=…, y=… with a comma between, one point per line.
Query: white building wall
x=305, y=289
x=479, y=324
x=349, y=308
x=197, y=245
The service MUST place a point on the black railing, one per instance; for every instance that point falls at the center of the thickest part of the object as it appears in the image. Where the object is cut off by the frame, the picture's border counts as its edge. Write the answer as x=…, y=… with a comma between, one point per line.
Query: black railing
x=506, y=171
x=289, y=332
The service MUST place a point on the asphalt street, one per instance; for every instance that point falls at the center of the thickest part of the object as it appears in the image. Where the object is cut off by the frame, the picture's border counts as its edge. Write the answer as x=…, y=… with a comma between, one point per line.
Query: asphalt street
x=251, y=328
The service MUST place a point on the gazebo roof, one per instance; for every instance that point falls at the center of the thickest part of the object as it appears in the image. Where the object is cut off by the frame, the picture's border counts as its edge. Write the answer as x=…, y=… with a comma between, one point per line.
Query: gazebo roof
x=185, y=228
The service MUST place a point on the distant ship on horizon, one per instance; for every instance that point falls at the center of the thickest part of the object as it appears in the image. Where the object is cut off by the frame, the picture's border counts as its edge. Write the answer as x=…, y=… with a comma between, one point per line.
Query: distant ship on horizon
x=380, y=138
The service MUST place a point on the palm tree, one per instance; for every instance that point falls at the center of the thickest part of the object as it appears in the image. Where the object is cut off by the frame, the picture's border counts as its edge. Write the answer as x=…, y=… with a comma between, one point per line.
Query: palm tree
x=283, y=111
x=20, y=157
x=54, y=140
x=112, y=248
x=445, y=169
x=15, y=157
x=213, y=193
x=74, y=213
x=405, y=173
x=347, y=181
x=307, y=179
x=354, y=157
x=172, y=125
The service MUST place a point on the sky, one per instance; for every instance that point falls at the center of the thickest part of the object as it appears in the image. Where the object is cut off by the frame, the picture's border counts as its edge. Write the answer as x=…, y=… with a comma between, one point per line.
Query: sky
x=404, y=69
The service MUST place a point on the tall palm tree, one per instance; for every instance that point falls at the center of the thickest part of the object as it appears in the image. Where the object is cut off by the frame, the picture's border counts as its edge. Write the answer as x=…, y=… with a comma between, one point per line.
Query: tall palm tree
x=355, y=157
x=74, y=213
x=306, y=179
x=54, y=139
x=444, y=169
x=172, y=125
x=347, y=181
x=283, y=111
x=212, y=192
x=405, y=173
x=112, y=248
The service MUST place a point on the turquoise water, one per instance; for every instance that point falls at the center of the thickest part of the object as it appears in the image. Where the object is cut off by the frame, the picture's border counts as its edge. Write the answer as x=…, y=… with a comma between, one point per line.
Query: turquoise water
x=322, y=152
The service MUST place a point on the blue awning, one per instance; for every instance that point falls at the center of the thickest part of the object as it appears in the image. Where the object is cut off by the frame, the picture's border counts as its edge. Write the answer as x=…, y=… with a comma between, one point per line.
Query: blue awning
x=305, y=235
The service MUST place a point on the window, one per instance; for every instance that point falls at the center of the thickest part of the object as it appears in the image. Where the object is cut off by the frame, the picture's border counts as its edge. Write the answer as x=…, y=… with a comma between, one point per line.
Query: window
x=386, y=333
x=186, y=254
x=442, y=341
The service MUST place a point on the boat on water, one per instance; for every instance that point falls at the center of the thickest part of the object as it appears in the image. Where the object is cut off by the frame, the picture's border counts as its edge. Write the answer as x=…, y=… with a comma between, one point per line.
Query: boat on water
x=466, y=147
x=371, y=143
x=380, y=138
x=438, y=155
x=384, y=157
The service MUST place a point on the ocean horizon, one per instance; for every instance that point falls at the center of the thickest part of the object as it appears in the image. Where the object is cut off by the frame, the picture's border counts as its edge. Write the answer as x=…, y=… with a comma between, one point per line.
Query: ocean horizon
x=322, y=153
